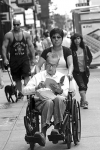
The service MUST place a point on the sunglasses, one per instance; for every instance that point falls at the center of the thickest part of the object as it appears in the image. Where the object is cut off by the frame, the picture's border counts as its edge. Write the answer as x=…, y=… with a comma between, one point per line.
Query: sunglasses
x=16, y=24
x=77, y=38
x=56, y=37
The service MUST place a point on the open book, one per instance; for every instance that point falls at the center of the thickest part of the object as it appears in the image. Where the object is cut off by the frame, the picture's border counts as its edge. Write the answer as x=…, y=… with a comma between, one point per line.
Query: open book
x=49, y=92
x=49, y=81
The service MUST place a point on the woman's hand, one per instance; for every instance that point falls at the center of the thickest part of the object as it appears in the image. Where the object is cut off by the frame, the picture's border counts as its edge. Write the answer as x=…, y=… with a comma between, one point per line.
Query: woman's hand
x=70, y=76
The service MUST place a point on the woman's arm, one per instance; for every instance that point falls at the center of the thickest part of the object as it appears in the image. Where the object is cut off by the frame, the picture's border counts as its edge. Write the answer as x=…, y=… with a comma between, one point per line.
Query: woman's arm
x=70, y=65
x=89, y=59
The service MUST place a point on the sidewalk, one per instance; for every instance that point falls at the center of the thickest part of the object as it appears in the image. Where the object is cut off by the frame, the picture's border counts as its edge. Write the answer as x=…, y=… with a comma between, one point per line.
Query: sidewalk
x=12, y=130
x=95, y=62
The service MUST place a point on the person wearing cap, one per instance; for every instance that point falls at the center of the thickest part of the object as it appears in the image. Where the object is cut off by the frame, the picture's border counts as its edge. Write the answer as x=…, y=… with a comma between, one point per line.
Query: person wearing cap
x=82, y=59
x=54, y=104
x=66, y=62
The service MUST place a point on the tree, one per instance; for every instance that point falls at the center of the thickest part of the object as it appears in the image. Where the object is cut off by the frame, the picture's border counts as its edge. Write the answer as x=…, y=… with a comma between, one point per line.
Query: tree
x=59, y=20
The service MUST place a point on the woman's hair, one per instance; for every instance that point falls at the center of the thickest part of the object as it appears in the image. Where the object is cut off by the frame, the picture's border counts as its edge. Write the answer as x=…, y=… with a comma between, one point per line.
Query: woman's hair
x=57, y=30
x=73, y=46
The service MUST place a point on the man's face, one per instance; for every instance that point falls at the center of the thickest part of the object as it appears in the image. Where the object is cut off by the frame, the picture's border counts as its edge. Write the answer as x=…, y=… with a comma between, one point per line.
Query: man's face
x=51, y=66
x=16, y=25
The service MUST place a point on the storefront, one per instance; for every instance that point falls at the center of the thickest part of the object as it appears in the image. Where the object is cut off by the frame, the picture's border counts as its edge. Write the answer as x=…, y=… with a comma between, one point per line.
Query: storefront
x=86, y=21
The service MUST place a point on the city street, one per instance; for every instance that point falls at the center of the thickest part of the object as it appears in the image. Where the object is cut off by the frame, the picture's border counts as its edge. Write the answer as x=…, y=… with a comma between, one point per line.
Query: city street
x=12, y=130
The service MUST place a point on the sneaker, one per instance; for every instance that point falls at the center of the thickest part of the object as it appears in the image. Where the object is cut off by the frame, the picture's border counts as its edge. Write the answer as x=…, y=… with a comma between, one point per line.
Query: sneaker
x=81, y=103
x=85, y=105
x=42, y=138
x=54, y=132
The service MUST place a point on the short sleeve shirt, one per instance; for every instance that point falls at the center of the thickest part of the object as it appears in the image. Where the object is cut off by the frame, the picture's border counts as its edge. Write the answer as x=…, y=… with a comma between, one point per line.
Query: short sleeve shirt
x=62, y=64
x=46, y=51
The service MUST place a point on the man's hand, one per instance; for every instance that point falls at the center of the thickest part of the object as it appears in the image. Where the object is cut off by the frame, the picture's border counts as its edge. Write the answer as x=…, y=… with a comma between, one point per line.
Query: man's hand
x=33, y=62
x=41, y=85
x=56, y=88
x=6, y=63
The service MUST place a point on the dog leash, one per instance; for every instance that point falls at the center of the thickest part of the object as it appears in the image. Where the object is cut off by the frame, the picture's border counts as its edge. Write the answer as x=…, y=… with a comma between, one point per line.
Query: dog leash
x=10, y=77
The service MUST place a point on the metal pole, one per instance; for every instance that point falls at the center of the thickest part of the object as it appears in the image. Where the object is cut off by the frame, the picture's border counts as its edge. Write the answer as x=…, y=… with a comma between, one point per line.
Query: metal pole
x=34, y=14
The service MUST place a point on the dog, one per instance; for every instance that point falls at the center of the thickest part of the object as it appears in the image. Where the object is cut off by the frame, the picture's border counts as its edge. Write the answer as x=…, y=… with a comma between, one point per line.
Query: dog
x=11, y=90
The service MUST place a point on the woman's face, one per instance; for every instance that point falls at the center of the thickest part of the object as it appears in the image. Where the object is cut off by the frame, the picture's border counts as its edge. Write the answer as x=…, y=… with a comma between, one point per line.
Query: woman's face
x=56, y=40
x=77, y=41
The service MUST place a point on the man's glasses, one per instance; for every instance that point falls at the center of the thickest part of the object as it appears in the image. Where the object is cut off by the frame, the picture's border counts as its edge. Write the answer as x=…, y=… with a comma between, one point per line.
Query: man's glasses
x=16, y=24
x=56, y=37
x=51, y=65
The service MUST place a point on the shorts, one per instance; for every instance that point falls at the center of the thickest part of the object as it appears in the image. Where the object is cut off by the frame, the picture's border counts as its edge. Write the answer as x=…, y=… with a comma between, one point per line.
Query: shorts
x=21, y=71
x=81, y=80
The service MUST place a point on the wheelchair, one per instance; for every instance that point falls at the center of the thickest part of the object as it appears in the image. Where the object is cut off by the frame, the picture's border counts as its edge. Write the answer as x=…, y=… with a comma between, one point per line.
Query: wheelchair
x=70, y=129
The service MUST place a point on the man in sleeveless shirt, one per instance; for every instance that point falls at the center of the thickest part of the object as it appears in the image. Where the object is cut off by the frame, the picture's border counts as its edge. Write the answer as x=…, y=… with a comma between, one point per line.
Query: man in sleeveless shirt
x=18, y=40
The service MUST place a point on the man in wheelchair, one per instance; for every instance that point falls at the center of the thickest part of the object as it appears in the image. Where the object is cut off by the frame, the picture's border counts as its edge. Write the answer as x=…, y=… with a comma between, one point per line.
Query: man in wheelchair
x=52, y=89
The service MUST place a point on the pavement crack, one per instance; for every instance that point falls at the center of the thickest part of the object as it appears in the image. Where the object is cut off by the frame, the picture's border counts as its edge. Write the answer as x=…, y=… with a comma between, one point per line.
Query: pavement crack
x=13, y=126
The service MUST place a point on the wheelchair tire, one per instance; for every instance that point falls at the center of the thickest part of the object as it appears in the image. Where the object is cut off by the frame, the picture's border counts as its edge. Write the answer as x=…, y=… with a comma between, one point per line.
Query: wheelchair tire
x=31, y=121
x=79, y=122
x=68, y=136
x=74, y=122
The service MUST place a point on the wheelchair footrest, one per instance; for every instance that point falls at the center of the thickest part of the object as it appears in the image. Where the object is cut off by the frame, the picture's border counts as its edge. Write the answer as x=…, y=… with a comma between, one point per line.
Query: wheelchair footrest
x=58, y=137
x=31, y=139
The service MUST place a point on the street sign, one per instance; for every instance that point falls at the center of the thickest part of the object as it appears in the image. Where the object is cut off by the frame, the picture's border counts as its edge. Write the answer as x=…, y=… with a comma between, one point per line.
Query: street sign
x=24, y=3
x=4, y=17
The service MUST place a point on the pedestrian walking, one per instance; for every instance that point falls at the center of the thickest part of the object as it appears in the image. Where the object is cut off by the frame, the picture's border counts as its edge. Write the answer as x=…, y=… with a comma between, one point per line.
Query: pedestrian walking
x=66, y=40
x=64, y=53
x=46, y=41
x=39, y=46
x=82, y=59
x=18, y=40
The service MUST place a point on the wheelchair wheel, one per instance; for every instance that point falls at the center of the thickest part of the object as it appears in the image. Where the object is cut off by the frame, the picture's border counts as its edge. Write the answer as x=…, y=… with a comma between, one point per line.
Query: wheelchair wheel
x=31, y=121
x=79, y=122
x=76, y=122
x=68, y=136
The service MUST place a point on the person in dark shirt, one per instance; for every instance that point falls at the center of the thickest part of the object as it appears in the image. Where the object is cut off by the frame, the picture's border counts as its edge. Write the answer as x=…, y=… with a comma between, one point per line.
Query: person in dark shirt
x=82, y=59
x=18, y=40
x=66, y=62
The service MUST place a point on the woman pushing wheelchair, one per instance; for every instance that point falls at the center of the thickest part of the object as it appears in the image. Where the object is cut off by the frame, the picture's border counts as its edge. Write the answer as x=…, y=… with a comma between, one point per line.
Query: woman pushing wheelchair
x=51, y=86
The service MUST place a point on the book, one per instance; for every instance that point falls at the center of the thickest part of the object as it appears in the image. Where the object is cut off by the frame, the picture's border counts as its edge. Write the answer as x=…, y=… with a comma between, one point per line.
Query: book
x=50, y=81
x=45, y=94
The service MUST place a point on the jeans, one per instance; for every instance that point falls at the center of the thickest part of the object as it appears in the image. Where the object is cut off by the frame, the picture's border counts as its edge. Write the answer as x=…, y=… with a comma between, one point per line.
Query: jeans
x=81, y=80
